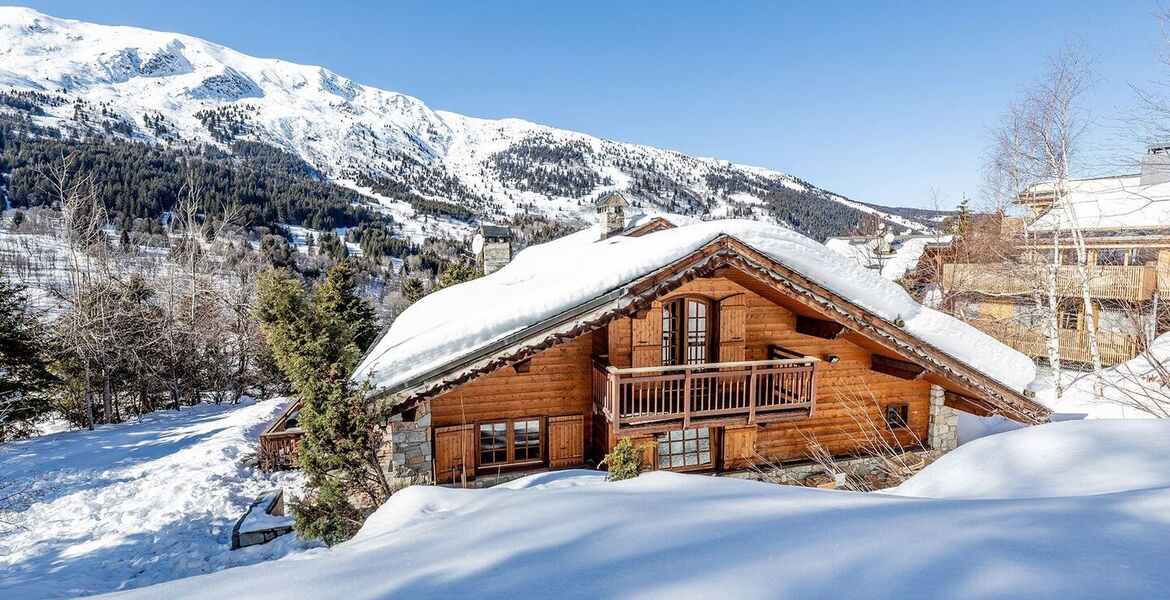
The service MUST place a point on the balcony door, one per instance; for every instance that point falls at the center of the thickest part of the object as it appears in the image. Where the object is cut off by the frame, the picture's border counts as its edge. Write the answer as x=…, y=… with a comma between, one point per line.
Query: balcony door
x=686, y=331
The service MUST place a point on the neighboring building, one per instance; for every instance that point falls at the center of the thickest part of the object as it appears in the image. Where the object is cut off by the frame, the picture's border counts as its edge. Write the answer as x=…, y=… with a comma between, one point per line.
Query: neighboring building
x=893, y=256
x=1125, y=222
x=715, y=346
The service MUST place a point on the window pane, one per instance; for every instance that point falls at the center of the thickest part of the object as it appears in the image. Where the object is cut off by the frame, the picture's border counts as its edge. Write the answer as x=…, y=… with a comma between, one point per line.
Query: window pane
x=493, y=443
x=526, y=440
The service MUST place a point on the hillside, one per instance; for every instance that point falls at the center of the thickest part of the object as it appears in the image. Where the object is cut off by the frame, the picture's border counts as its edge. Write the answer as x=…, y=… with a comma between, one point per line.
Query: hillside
x=88, y=80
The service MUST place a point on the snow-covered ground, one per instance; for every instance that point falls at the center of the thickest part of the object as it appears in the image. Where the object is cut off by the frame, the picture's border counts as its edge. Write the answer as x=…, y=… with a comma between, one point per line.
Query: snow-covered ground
x=134, y=504
x=1139, y=381
x=1068, y=510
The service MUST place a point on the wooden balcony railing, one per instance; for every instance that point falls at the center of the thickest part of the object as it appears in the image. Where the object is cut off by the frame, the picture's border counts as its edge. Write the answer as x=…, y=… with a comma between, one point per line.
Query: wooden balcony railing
x=1105, y=282
x=672, y=397
x=1074, y=343
x=279, y=442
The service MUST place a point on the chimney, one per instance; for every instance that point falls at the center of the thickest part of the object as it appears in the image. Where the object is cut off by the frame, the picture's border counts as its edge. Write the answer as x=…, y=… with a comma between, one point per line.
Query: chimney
x=493, y=246
x=611, y=213
x=1156, y=164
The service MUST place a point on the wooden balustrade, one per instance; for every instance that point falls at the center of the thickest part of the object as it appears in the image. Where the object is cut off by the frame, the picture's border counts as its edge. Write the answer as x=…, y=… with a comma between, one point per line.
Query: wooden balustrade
x=670, y=397
x=1074, y=343
x=279, y=441
x=1134, y=283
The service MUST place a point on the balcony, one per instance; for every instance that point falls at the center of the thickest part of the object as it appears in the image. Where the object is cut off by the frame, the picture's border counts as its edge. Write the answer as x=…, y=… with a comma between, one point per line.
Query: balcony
x=1132, y=284
x=1074, y=343
x=279, y=442
x=652, y=399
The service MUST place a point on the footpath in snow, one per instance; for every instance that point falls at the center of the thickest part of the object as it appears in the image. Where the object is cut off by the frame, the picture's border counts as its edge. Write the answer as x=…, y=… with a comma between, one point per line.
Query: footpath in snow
x=134, y=504
x=1066, y=510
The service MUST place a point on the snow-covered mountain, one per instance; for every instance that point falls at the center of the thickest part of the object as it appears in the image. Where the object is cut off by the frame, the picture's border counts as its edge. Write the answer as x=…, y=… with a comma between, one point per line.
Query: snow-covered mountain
x=174, y=88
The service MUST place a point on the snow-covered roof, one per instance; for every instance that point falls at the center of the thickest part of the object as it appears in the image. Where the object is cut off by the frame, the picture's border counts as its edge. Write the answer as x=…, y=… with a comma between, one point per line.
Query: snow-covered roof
x=550, y=279
x=1108, y=203
x=905, y=251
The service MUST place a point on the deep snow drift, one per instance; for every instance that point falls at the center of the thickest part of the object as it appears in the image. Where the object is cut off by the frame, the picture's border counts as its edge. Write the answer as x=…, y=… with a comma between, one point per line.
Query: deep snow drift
x=668, y=535
x=134, y=504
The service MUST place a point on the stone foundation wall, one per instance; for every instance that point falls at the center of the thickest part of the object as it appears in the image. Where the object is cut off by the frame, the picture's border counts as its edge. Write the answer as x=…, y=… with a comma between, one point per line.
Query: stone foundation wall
x=406, y=449
x=943, y=435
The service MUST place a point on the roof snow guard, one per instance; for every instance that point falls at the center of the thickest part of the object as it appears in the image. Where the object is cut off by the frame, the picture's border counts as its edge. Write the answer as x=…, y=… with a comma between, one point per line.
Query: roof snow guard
x=562, y=289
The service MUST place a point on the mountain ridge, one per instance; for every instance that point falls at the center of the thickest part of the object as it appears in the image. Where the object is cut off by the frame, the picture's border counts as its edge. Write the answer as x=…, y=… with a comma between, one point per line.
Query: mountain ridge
x=174, y=88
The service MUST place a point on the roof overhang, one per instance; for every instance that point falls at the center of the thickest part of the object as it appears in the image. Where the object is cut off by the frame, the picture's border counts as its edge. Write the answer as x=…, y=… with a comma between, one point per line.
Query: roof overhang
x=718, y=255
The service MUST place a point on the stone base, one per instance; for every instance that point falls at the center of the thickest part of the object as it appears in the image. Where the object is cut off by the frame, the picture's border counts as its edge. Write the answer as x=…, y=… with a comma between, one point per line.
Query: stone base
x=270, y=503
x=860, y=467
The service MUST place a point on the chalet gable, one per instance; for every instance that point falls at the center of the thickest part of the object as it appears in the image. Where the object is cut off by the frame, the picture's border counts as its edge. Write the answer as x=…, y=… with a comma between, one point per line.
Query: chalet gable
x=728, y=257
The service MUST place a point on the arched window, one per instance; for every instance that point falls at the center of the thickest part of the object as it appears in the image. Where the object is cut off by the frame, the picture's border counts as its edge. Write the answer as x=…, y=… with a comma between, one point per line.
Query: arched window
x=686, y=331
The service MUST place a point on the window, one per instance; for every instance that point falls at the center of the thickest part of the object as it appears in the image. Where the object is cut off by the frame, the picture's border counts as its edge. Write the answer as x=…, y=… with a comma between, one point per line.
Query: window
x=1069, y=317
x=898, y=416
x=686, y=332
x=493, y=443
x=684, y=448
x=526, y=440
x=506, y=442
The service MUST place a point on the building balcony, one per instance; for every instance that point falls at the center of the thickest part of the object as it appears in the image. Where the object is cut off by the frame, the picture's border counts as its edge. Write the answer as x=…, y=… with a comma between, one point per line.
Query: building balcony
x=1074, y=343
x=654, y=399
x=1134, y=284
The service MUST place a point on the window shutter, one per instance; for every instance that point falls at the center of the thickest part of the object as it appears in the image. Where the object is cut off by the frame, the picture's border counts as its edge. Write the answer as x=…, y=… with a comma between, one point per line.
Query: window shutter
x=739, y=447
x=454, y=450
x=566, y=441
x=732, y=328
x=647, y=337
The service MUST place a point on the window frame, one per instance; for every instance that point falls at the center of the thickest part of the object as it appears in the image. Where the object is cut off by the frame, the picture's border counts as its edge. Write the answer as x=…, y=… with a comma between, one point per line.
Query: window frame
x=902, y=412
x=712, y=448
x=510, y=442
x=676, y=330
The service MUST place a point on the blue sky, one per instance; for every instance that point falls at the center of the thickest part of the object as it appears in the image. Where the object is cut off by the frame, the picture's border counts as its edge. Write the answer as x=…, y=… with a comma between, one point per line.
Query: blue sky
x=877, y=101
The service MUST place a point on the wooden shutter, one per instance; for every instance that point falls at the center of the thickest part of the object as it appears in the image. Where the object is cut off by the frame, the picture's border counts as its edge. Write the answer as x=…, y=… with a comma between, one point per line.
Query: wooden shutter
x=733, y=328
x=454, y=451
x=739, y=447
x=647, y=337
x=566, y=441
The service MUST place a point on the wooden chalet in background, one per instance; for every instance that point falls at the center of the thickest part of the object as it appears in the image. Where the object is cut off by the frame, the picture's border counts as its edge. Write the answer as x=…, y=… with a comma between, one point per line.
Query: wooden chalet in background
x=722, y=360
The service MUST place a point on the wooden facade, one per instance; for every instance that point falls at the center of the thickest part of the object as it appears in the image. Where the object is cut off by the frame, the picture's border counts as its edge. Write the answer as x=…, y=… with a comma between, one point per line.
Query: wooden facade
x=775, y=377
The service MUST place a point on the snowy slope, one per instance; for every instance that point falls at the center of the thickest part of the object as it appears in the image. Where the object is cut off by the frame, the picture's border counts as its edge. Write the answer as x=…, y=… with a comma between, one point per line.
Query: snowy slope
x=101, y=76
x=669, y=535
x=134, y=504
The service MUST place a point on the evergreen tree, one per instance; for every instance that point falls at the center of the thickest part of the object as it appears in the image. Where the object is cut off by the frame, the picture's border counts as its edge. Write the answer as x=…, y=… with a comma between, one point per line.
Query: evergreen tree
x=457, y=272
x=25, y=380
x=317, y=340
x=412, y=289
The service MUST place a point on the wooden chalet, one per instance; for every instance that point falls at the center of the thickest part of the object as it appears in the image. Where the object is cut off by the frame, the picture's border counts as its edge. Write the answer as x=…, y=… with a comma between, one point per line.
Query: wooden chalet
x=722, y=359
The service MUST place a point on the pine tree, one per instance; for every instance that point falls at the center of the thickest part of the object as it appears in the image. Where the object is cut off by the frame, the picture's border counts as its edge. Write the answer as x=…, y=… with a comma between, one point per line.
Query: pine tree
x=456, y=272
x=26, y=383
x=317, y=340
x=412, y=289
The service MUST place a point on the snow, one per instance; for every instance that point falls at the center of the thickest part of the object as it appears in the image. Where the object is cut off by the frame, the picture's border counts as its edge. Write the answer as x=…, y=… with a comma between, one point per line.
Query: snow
x=338, y=126
x=907, y=250
x=1109, y=203
x=1072, y=458
x=545, y=280
x=1134, y=380
x=1071, y=510
x=134, y=504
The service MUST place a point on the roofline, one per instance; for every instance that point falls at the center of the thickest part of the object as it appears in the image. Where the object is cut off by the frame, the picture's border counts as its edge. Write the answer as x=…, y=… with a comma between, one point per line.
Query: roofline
x=539, y=334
